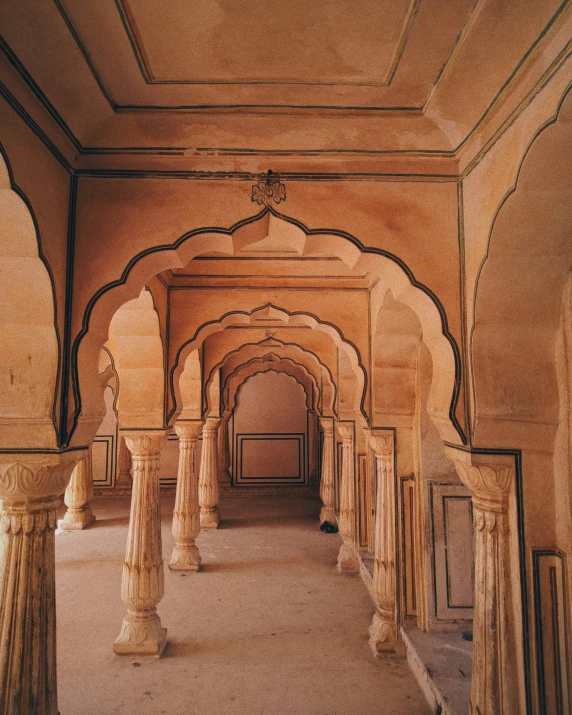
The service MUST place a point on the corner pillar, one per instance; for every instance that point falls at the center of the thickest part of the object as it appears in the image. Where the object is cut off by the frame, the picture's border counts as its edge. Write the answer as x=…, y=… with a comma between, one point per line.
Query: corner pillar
x=208, y=477
x=186, y=526
x=347, y=558
x=142, y=581
x=123, y=480
x=327, y=494
x=383, y=629
x=223, y=454
x=495, y=687
x=31, y=487
x=78, y=496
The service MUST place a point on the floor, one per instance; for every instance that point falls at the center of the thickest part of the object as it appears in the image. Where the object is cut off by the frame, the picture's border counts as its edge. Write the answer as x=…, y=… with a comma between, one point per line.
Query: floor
x=267, y=627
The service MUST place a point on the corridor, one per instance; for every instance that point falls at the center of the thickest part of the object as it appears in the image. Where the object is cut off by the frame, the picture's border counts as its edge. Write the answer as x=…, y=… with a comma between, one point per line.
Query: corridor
x=267, y=627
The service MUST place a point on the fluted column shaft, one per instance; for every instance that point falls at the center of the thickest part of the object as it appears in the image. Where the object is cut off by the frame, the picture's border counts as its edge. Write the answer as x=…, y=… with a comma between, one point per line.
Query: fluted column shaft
x=347, y=558
x=123, y=480
x=327, y=494
x=223, y=454
x=495, y=686
x=78, y=496
x=186, y=522
x=142, y=581
x=383, y=629
x=30, y=493
x=208, y=477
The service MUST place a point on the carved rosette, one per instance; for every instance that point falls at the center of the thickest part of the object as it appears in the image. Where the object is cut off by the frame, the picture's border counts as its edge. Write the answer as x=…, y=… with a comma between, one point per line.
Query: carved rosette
x=347, y=558
x=142, y=581
x=123, y=480
x=186, y=523
x=223, y=453
x=31, y=486
x=383, y=630
x=208, y=478
x=327, y=494
x=495, y=685
x=78, y=496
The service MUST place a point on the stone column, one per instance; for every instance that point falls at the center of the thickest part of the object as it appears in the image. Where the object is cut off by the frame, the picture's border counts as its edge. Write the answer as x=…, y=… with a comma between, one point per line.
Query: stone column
x=383, y=629
x=186, y=526
x=327, y=494
x=208, y=478
x=347, y=558
x=142, y=581
x=223, y=454
x=78, y=496
x=495, y=687
x=123, y=480
x=31, y=487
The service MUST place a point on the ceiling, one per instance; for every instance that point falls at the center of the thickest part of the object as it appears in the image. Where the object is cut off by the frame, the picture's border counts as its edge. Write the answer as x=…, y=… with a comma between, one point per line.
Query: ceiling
x=296, y=76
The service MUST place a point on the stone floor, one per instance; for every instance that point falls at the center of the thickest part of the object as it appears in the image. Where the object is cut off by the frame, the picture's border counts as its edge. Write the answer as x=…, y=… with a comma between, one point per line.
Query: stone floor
x=268, y=627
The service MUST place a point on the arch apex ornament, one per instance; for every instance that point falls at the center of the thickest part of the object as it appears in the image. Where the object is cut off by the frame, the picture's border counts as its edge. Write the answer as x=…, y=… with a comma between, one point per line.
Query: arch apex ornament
x=268, y=189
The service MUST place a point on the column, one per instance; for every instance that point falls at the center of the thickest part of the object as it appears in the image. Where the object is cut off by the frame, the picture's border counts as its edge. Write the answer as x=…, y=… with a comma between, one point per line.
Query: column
x=31, y=487
x=78, y=496
x=383, y=629
x=208, y=478
x=327, y=494
x=313, y=438
x=223, y=454
x=142, y=580
x=186, y=524
x=123, y=480
x=347, y=558
x=495, y=687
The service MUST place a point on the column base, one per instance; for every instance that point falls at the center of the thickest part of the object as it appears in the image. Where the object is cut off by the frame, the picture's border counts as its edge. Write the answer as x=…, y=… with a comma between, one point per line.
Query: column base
x=141, y=634
x=348, y=561
x=185, y=558
x=210, y=518
x=382, y=635
x=327, y=514
x=224, y=479
x=124, y=481
x=77, y=519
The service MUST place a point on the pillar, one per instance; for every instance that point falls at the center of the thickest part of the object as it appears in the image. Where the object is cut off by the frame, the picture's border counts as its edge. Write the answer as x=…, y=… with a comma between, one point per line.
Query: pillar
x=327, y=494
x=313, y=437
x=123, y=480
x=208, y=477
x=186, y=524
x=223, y=454
x=78, y=496
x=31, y=487
x=347, y=558
x=142, y=580
x=383, y=629
x=495, y=686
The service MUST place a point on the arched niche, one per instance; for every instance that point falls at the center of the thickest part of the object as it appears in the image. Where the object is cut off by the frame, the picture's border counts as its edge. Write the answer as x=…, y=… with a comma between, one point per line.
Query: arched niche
x=269, y=363
x=282, y=236
x=518, y=299
x=270, y=446
x=29, y=358
x=136, y=345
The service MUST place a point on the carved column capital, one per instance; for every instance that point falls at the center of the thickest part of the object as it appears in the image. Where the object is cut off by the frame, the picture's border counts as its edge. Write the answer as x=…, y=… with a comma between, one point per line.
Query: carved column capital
x=327, y=425
x=189, y=429
x=382, y=442
x=28, y=478
x=345, y=431
x=211, y=424
x=489, y=476
x=145, y=443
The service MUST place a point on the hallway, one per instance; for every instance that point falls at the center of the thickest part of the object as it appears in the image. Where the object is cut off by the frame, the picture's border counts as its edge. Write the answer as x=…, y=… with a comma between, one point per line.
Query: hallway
x=267, y=627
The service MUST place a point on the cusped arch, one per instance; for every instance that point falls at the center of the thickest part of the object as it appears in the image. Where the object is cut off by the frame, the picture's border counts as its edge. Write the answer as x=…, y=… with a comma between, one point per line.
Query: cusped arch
x=518, y=294
x=292, y=319
x=289, y=237
x=270, y=363
x=29, y=359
